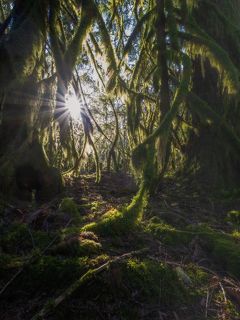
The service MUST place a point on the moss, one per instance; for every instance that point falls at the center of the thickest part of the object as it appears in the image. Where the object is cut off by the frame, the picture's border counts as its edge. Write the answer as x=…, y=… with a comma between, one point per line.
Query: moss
x=234, y=217
x=116, y=222
x=90, y=246
x=15, y=236
x=52, y=273
x=167, y=233
x=236, y=235
x=221, y=247
x=76, y=246
x=198, y=276
x=18, y=238
x=225, y=252
x=95, y=205
x=68, y=205
x=123, y=287
x=154, y=282
x=77, y=243
x=139, y=157
x=112, y=222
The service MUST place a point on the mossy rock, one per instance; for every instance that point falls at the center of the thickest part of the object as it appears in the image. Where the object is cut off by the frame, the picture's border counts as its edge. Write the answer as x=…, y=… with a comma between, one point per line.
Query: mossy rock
x=77, y=246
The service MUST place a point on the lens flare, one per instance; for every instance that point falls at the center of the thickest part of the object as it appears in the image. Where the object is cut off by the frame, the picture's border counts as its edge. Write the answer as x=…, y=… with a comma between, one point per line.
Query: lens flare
x=73, y=105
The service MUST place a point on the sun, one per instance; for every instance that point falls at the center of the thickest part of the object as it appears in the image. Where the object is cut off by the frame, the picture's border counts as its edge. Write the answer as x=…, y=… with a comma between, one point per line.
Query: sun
x=73, y=105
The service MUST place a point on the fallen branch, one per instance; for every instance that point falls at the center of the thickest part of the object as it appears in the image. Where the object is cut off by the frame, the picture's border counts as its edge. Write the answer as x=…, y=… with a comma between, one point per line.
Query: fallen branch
x=50, y=305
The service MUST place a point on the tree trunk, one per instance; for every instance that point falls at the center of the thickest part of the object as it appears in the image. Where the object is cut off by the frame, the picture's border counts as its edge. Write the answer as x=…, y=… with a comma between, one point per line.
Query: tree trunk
x=20, y=71
x=210, y=155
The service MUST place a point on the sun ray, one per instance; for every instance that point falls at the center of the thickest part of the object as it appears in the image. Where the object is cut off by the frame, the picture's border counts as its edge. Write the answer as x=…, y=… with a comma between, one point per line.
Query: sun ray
x=73, y=105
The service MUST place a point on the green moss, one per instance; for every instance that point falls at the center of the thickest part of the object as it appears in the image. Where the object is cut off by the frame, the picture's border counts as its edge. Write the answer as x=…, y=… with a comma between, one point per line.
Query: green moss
x=95, y=205
x=116, y=222
x=234, y=217
x=236, y=235
x=154, y=281
x=167, y=233
x=18, y=238
x=68, y=205
x=225, y=252
x=90, y=246
x=112, y=222
x=198, y=276
x=52, y=273
x=221, y=247
x=139, y=157
x=76, y=246
x=127, y=285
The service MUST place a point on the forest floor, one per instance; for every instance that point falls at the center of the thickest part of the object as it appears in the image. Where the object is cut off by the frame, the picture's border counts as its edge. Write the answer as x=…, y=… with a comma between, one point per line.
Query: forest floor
x=181, y=262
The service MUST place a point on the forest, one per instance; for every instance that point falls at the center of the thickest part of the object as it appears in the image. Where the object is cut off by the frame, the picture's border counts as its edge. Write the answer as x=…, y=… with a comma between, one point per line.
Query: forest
x=119, y=159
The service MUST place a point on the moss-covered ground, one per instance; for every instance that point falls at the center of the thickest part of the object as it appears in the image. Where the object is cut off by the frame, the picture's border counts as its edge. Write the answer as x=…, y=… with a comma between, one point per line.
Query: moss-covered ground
x=80, y=257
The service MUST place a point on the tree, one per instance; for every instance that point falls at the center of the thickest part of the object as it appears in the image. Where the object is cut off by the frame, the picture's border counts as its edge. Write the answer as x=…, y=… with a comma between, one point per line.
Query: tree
x=210, y=149
x=150, y=69
x=25, y=89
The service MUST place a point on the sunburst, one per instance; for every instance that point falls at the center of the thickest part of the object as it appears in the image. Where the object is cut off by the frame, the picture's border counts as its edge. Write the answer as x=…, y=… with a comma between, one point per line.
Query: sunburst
x=73, y=105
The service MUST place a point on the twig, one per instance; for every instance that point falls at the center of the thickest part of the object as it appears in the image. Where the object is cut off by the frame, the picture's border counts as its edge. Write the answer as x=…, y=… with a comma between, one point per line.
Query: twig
x=32, y=259
x=206, y=305
x=175, y=315
x=223, y=291
x=50, y=305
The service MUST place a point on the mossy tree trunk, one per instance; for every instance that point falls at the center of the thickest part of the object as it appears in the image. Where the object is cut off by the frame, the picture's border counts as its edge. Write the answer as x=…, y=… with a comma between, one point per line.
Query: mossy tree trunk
x=210, y=154
x=21, y=51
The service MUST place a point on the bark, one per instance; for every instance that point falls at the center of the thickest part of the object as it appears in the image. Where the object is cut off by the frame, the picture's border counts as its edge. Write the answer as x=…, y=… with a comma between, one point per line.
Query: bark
x=210, y=155
x=20, y=68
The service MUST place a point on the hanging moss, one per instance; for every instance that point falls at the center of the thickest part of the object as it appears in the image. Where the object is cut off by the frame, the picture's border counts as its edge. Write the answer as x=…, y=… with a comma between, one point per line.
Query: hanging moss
x=202, y=44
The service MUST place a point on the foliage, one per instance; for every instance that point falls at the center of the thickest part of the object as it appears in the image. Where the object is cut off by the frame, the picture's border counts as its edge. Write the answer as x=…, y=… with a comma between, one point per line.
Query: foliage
x=101, y=52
